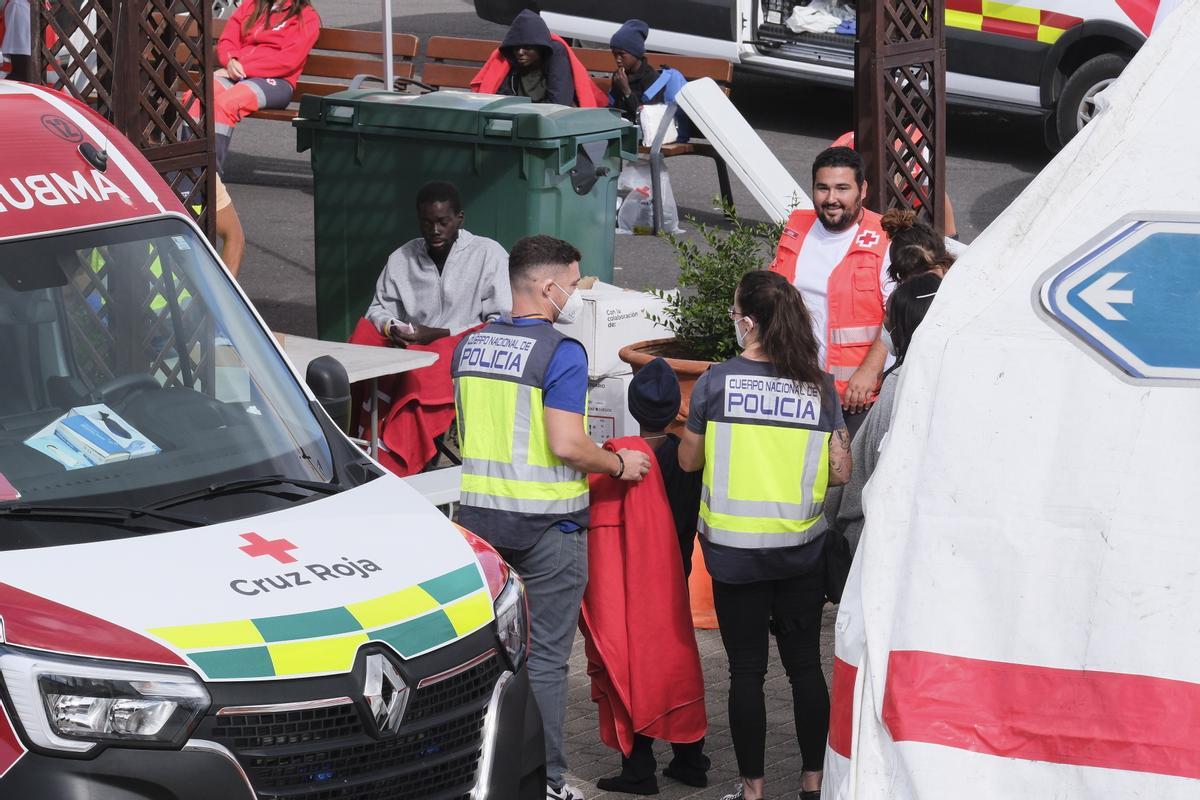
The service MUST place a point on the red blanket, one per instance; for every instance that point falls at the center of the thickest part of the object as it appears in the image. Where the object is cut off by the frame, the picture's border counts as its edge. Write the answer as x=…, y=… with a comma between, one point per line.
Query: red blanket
x=636, y=621
x=495, y=70
x=414, y=408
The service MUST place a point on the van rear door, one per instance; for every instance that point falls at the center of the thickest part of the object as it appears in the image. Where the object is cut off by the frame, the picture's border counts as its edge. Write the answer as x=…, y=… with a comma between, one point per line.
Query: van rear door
x=765, y=35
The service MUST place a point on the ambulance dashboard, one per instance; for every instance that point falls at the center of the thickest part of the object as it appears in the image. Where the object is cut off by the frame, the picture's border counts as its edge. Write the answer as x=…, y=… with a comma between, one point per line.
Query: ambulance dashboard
x=140, y=394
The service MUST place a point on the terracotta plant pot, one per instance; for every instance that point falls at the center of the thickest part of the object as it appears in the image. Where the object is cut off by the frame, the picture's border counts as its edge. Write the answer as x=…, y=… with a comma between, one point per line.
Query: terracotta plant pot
x=687, y=370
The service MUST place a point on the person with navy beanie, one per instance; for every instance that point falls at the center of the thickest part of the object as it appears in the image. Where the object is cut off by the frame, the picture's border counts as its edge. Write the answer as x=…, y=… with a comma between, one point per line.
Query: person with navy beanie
x=634, y=75
x=654, y=399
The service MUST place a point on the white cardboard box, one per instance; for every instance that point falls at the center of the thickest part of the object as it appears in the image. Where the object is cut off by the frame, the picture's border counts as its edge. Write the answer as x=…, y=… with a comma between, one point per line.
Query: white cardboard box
x=608, y=409
x=613, y=317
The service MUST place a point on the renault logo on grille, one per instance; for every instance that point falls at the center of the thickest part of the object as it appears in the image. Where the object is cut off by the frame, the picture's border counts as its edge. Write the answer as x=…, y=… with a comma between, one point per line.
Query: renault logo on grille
x=386, y=693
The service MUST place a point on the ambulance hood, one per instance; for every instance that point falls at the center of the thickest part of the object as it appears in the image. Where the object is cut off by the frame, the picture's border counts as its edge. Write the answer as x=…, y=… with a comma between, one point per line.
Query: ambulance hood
x=287, y=594
x=1028, y=570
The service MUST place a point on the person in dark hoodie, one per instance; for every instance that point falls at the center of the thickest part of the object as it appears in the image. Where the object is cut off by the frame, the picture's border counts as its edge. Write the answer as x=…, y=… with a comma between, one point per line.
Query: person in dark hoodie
x=531, y=62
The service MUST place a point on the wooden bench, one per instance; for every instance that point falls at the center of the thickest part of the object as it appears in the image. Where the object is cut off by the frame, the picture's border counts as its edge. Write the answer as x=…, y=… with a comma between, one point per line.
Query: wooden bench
x=340, y=55
x=451, y=62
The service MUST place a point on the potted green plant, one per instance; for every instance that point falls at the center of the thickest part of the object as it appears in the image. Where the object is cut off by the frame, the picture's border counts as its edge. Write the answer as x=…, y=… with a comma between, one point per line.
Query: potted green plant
x=698, y=312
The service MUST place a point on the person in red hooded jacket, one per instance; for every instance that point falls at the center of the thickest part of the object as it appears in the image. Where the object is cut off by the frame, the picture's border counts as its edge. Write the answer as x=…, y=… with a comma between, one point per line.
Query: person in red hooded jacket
x=262, y=53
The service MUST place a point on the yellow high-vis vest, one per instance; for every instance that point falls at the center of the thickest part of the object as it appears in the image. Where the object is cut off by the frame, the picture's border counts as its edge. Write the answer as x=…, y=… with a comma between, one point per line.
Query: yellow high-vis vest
x=766, y=458
x=509, y=472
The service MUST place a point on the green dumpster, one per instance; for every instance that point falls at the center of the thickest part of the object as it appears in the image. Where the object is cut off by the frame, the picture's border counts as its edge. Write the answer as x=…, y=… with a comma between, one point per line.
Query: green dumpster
x=521, y=168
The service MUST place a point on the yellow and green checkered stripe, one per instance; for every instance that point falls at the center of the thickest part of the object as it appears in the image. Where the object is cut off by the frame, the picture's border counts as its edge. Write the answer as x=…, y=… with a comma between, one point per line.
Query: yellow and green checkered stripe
x=412, y=621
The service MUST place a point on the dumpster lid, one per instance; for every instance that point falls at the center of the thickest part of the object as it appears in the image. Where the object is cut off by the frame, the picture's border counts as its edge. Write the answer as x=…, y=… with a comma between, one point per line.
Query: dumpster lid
x=485, y=115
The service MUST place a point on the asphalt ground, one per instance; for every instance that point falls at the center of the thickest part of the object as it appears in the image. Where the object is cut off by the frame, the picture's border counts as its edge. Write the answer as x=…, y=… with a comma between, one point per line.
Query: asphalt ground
x=991, y=158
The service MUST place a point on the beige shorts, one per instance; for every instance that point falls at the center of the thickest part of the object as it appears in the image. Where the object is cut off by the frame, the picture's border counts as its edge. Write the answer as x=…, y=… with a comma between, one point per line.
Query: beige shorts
x=223, y=198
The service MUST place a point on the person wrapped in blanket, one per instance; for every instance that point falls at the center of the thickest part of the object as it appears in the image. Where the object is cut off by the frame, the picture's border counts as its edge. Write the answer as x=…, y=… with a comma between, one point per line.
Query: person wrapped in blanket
x=262, y=52
x=434, y=290
x=535, y=63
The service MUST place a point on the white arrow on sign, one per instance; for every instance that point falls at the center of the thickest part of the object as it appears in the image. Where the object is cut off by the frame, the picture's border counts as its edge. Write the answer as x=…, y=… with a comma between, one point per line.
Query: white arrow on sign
x=1102, y=296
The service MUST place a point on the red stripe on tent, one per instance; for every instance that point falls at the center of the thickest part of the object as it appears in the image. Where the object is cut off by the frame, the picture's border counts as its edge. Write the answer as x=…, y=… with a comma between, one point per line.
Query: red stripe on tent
x=1055, y=20
x=11, y=748
x=1063, y=716
x=34, y=621
x=1006, y=27
x=969, y=6
x=1140, y=13
x=841, y=707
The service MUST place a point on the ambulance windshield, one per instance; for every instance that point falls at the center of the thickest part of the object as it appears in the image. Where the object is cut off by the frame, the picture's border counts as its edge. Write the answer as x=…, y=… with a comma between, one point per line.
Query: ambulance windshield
x=133, y=372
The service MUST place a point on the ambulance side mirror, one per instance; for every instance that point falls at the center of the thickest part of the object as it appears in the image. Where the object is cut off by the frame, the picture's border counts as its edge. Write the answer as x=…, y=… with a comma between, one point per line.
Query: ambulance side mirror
x=327, y=379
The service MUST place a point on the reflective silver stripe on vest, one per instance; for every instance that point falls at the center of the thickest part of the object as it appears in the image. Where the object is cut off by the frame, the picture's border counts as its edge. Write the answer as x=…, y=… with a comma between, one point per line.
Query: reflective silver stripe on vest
x=524, y=506
x=519, y=472
x=841, y=373
x=864, y=334
x=719, y=503
x=756, y=541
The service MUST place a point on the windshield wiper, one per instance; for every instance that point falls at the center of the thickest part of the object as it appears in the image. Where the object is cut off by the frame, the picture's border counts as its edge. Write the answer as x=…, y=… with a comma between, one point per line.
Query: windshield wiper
x=105, y=514
x=245, y=485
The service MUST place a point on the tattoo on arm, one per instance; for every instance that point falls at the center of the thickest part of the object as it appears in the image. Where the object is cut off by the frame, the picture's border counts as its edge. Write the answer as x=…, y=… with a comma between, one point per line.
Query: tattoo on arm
x=839, y=456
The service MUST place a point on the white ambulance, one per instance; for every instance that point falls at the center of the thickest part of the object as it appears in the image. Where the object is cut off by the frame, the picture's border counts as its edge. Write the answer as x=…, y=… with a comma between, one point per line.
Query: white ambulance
x=1042, y=56
x=206, y=590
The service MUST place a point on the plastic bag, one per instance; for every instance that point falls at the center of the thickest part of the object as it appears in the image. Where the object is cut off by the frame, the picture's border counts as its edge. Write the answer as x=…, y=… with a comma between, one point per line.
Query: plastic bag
x=636, y=214
x=650, y=118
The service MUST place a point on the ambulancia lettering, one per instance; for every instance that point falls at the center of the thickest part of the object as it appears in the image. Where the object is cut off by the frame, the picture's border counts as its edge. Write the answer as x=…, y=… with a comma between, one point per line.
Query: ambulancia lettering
x=772, y=399
x=501, y=354
x=53, y=189
x=306, y=576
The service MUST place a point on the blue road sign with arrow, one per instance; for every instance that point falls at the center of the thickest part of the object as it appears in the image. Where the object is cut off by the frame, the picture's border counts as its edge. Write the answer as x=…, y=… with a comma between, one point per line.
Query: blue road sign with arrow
x=1134, y=297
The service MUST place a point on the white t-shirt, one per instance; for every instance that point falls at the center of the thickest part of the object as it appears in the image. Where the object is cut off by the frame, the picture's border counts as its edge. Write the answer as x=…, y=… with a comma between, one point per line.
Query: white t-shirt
x=820, y=254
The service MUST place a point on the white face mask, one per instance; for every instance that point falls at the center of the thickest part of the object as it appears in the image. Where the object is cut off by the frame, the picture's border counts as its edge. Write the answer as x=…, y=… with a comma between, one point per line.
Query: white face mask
x=737, y=331
x=569, y=310
x=885, y=336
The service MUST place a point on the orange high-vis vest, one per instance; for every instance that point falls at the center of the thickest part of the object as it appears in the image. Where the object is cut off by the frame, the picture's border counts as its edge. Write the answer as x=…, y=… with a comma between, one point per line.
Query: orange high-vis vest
x=853, y=294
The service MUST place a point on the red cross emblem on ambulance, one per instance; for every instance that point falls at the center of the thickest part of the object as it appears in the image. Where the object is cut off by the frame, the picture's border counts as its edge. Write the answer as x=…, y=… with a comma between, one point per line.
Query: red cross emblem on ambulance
x=867, y=239
x=275, y=548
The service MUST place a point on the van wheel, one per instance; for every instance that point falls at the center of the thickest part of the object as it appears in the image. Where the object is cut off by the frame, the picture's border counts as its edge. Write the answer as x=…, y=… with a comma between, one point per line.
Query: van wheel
x=1077, y=103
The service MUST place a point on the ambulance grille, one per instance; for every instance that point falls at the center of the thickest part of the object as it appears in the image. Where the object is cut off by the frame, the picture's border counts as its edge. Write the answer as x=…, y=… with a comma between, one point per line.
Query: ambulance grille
x=329, y=754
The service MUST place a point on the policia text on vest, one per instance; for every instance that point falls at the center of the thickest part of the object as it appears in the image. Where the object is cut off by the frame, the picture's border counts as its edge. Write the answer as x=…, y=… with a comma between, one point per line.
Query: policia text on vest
x=766, y=456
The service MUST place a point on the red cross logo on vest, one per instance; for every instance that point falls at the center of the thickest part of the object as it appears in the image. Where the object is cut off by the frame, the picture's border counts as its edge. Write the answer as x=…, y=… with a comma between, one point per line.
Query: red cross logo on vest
x=275, y=548
x=867, y=239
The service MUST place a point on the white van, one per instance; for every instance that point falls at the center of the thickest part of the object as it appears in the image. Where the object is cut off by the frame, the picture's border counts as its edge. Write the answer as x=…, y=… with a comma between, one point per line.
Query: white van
x=1037, y=56
x=206, y=590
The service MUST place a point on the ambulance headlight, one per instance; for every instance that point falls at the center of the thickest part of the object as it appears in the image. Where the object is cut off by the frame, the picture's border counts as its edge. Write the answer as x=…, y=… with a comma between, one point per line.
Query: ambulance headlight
x=512, y=621
x=73, y=705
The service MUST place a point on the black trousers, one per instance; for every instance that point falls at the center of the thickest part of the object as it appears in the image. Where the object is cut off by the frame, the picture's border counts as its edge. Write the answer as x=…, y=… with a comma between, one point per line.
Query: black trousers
x=748, y=614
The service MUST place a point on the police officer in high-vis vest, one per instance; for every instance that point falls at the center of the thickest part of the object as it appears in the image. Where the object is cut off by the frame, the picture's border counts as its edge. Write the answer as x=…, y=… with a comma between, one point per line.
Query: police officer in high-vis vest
x=767, y=429
x=521, y=392
x=836, y=254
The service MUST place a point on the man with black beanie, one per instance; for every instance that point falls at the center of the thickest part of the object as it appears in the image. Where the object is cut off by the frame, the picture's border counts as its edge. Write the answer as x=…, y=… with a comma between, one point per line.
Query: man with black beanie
x=633, y=75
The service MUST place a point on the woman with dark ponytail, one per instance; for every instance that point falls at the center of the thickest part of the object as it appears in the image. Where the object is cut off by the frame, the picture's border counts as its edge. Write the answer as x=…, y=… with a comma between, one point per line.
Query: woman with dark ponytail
x=906, y=310
x=767, y=429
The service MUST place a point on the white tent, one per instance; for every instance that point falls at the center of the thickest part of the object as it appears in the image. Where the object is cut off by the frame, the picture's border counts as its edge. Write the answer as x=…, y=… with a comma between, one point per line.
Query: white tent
x=1023, y=619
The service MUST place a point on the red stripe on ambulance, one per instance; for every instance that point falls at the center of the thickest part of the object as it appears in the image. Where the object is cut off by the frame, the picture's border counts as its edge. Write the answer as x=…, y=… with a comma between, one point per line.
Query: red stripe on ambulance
x=11, y=748
x=1086, y=718
x=33, y=621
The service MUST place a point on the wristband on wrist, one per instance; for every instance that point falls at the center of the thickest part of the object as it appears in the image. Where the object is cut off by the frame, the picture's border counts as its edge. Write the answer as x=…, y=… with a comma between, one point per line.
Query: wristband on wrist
x=621, y=469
